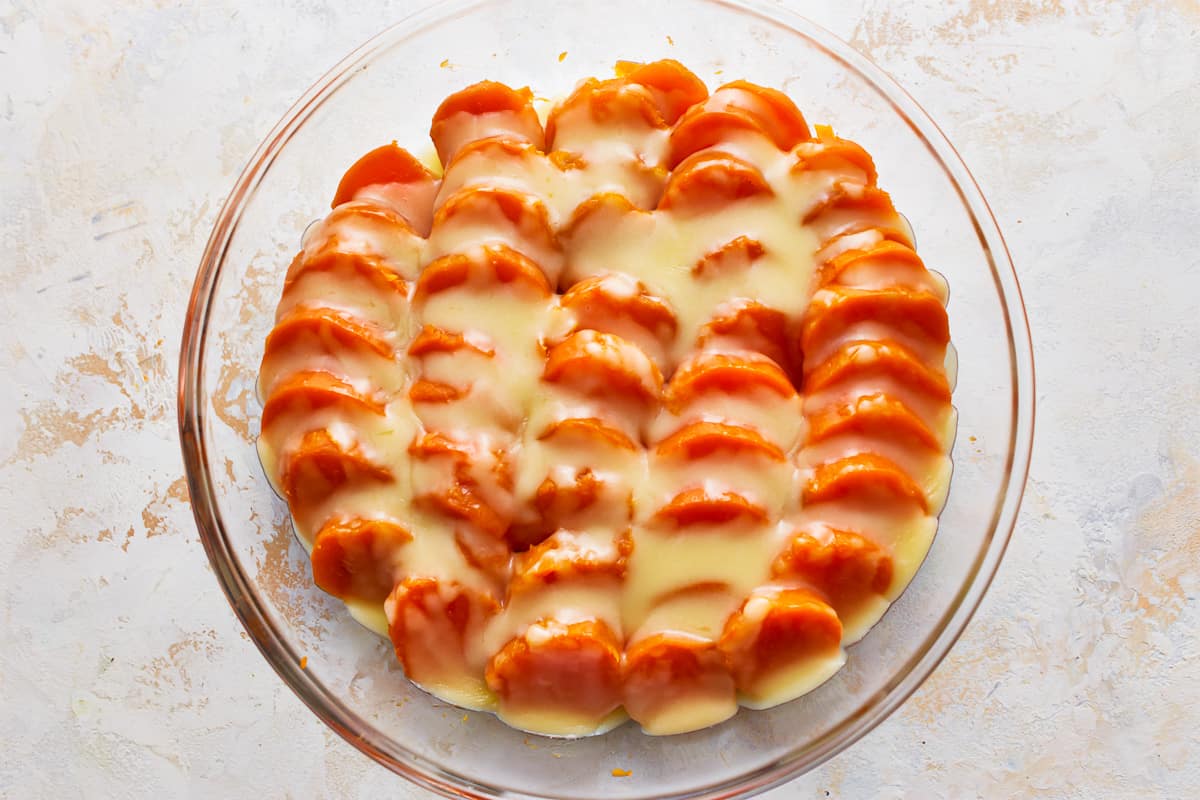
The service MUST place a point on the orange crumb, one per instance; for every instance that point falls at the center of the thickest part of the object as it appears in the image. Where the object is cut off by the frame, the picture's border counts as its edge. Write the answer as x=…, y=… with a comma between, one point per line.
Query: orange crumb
x=445, y=63
x=562, y=56
x=972, y=438
x=670, y=41
x=304, y=662
x=465, y=717
x=621, y=773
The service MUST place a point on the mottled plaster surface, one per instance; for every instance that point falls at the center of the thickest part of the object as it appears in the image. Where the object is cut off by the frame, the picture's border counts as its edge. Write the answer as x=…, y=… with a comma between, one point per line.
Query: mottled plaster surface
x=123, y=672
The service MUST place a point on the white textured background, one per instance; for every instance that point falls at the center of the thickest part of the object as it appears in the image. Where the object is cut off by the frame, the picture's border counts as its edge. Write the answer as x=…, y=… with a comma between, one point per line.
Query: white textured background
x=123, y=672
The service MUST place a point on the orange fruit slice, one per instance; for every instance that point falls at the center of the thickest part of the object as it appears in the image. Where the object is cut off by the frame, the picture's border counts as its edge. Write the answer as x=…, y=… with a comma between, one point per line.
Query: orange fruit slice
x=491, y=266
x=357, y=558
x=320, y=465
x=876, y=416
x=410, y=186
x=863, y=477
x=433, y=339
x=564, y=557
x=459, y=494
x=520, y=220
x=598, y=300
x=326, y=330
x=728, y=373
x=845, y=566
x=482, y=110
x=750, y=325
x=735, y=255
x=312, y=390
x=702, y=439
x=430, y=623
x=614, y=103
x=603, y=364
x=777, y=629
x=863, y=360
x=735, y=108
x=834, y=155
x=674, y=87
x=587, y=430
x=889, y=263
x=712, y=179
x=850, y=209
x=918, y=315
x=424, y=390
x=669, y=672
x=574, y=669
x=698, y=507
x=347, y=267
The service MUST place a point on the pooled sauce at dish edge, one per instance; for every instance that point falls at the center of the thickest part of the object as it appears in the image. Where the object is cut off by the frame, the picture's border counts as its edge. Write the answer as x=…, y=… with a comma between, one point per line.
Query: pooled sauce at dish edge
x=638, y=411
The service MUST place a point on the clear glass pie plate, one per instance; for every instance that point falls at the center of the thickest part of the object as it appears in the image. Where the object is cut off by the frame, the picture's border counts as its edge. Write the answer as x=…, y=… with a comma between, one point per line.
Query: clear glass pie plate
x=388, y=89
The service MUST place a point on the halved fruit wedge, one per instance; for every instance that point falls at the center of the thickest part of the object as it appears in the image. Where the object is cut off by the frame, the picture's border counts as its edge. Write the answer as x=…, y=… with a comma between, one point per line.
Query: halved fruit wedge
x=733, y=109
x=702, y=439
x=699, y=507
x=313, y=390
x=876, y=416
x=781, y=643
x=358, y=558
x=675, y=683
x=483, y=110
x=391, y=176
x=431, y=621
x=730, y=373
x=864, y=477
x=600, y=364
x=845, y=566
x=567, y=674
x=710, y=180
x=320, y=465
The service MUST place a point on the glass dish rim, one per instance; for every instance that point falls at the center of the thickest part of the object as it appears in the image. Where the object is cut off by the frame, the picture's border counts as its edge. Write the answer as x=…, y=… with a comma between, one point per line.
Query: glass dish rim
x=240, y=590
